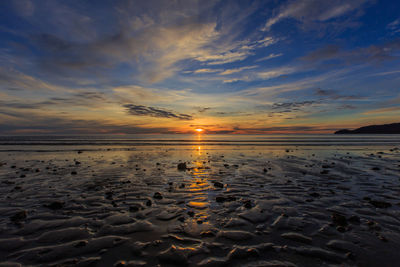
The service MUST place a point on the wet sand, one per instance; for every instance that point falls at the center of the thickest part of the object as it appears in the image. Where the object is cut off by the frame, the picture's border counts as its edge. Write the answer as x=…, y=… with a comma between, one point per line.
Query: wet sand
x=231, y=206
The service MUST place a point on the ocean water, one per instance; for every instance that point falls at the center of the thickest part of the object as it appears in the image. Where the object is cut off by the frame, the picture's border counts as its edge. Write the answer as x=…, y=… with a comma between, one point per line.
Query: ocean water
x=121, y=142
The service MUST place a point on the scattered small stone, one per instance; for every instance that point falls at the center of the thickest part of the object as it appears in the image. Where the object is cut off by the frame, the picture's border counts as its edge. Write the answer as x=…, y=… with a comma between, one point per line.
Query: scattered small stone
x=354, y=219
x=109, y=195
x=182, y=166
x=218, y=184
x=380, y=204
x=81, y=243
x=190, y=213
x=248, y=204
x=19, y=216
x=157, y=195
x=55, y=205
x=339, y=219
x=221, y=199
x=74, y=173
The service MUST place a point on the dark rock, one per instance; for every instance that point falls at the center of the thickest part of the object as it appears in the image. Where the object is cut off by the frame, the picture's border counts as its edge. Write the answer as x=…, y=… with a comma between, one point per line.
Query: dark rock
x=109, y=195
x=134, y=208
x=248, y=204
x=190, y=213
x=380, y=204
x=81, y=243
x=55, y=205
x=221, y=199
x=19, y=216
x=218, y=184
x=182, y=166
x=354, y=219
x=148, y=203
x=339, y=220
x=157, y=195
x=74, y=173
x=315, y=194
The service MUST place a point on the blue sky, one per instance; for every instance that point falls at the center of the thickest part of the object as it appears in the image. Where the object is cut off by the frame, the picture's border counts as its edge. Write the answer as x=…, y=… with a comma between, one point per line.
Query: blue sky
x=69, y=67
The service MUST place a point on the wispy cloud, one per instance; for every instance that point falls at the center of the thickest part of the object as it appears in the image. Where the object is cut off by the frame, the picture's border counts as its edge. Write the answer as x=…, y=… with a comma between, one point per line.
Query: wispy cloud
x=310, y=11
x=270, y=56
x=232, y=71
x=139, y=110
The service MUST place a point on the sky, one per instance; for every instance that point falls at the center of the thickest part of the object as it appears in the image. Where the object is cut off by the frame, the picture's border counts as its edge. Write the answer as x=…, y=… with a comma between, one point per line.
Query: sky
x=156, y=67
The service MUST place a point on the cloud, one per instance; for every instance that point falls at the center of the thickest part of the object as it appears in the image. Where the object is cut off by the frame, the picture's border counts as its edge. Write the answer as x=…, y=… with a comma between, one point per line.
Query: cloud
x=310, y=11
x=151, y=39
x=232, y=71
x=383, y=110
x=394, y=26
x=206, y=71
x=283, y=129
x=270, y=56
x=370, y=54
x=24, y=8
x=139, y=110
x=58, y=125
x=262, y=75
x=202, y=110
x=332, y=94
x=292, y=105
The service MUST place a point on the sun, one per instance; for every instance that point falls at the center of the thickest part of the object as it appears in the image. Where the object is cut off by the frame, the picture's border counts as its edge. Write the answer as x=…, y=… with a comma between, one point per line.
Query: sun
x=199, y=130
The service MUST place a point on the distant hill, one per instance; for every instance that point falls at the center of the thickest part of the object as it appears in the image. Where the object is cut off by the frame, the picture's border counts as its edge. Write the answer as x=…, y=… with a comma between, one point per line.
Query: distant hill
x=393, y=128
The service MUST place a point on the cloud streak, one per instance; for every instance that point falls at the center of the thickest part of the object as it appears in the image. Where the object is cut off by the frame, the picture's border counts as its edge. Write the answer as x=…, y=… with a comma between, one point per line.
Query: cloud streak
x=139, y=110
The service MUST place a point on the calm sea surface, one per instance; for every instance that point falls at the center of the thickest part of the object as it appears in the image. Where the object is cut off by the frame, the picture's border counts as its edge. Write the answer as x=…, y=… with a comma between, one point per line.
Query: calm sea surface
x=98, y=142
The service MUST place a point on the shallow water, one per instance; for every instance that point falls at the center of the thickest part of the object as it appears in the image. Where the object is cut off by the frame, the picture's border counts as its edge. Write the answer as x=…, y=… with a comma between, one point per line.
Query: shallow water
x=253, y=200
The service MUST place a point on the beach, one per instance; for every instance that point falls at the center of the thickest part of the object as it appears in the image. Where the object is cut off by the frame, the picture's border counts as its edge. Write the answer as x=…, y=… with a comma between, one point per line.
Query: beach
x=200, y=201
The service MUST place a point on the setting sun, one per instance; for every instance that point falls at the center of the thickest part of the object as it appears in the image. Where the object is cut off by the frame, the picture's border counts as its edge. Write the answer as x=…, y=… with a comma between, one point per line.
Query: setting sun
x=199, y=130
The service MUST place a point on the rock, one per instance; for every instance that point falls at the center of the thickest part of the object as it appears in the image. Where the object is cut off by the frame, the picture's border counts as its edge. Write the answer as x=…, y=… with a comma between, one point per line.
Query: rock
x=221, y=199
x=55, y=205
x=19, y=216
x=338, y=219
x=354, y=219
x=297, y=237
x=182, y=166
x=247, y=204
x=157, y=195
x=81, y=243
x=74, y=173
x=218, y=184
x=380, y=204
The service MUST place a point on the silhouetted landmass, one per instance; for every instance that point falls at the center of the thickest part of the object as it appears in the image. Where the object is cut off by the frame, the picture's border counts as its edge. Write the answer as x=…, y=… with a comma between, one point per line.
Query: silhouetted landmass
x=393, y=128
